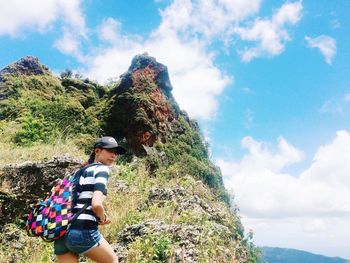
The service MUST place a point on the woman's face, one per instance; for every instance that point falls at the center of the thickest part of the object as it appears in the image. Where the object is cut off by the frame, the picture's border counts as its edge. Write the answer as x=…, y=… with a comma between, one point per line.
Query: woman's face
x=106, y=156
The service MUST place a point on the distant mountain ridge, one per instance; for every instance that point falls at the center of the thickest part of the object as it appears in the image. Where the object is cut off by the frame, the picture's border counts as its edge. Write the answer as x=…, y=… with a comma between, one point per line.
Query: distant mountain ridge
x=288, y=255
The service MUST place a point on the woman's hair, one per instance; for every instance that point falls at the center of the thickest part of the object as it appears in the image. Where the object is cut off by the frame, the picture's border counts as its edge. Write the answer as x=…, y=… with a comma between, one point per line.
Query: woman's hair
x=91, y=157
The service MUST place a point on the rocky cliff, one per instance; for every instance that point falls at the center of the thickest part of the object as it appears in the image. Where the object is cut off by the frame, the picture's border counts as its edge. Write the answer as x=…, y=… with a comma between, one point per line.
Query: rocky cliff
x=142, y=108
x=166, y=199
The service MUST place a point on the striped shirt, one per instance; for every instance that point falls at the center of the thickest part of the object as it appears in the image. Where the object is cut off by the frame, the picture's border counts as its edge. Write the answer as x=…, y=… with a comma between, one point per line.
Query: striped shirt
x=94, y=178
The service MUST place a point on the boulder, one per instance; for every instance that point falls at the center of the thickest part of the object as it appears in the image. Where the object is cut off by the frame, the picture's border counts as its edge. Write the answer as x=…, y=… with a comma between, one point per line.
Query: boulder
x=21, y=185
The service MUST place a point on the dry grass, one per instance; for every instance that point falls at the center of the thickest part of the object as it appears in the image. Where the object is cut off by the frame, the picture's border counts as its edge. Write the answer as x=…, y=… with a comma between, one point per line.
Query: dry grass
x=13, y=153
x=122, y=206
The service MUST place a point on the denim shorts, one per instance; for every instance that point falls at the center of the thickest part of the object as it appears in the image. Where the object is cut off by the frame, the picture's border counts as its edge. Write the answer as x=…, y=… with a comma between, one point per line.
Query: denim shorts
x=78, y=241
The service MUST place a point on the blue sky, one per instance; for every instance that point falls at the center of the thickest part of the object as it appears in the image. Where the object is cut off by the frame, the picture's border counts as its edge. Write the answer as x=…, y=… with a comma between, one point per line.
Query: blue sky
x=269, y=82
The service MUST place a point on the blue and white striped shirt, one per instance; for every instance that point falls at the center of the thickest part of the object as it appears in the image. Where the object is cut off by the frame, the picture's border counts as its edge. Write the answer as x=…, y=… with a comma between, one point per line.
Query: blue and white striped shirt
x=94, y=178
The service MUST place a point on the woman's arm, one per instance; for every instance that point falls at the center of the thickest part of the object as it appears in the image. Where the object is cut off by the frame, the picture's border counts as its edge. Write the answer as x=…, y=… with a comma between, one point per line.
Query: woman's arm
x=97, y=207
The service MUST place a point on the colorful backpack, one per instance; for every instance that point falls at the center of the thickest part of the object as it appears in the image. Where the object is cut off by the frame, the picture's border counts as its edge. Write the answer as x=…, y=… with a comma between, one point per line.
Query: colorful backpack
x=51, y=219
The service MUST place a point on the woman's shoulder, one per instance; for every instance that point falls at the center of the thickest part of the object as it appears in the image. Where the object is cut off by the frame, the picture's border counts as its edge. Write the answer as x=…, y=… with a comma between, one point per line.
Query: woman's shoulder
x=99, y=167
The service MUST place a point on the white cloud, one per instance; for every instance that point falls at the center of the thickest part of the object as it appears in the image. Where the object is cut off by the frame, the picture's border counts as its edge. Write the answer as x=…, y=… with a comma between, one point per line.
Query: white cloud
x=109, y=30
x=271, y=35
x=70, y=44
x=72, y=16
x=74, y=29
x=196, y=80
x=17, y=17
x=309, y=203
x=327, y=46
x=320, y=189
x=207, y=18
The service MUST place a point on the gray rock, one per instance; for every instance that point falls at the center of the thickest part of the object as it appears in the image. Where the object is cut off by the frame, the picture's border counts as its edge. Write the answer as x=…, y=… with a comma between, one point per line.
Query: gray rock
x=21, y=185
x=26, y=66
x=186, y=236
x=184, y=199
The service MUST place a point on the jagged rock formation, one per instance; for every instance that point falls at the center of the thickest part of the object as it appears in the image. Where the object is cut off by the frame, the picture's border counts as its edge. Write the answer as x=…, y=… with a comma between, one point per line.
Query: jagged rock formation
x=23, y=184
x=26, y=66
x=141, y=107
x=30, y=94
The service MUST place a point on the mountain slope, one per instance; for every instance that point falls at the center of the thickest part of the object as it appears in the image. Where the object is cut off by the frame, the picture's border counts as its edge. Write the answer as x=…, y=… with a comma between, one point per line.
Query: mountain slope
x=287, y=255
x=166, y=200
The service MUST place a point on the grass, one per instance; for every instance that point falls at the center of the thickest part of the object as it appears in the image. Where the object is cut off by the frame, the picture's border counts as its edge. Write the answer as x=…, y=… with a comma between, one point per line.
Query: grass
x=12, y=153
x=122, y=207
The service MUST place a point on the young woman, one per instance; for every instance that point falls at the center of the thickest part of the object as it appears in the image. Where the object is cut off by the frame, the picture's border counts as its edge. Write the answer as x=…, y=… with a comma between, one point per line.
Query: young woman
x=83, y=236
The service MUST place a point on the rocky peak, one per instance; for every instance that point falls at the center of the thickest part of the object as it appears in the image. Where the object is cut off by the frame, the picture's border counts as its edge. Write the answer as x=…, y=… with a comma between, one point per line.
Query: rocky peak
x=148, y=65
x=142, y=108
x=25, y=66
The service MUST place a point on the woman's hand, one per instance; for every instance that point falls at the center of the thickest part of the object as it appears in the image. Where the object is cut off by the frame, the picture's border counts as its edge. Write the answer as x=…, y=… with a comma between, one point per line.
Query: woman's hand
x=104, y=221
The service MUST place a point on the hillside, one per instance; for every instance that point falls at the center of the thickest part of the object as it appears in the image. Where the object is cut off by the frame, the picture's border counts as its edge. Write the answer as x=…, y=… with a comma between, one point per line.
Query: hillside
x=167, y=201
x=287, y=255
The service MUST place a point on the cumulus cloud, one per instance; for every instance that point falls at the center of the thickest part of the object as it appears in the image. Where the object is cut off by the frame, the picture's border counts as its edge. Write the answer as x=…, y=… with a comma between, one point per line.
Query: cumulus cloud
x=17, y=18
x=270, y=34
x=208, y=18
x=318, y=190
x=326, y=44
x=17, y=15
x=270, y=198
x=74, y=29
x=109, y=30
x=39, y=15
x=197, y=81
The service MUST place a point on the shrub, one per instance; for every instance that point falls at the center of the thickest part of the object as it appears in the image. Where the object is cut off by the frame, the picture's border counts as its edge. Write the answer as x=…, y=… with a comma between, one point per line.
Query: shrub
x=152, y=248
x=35, y=130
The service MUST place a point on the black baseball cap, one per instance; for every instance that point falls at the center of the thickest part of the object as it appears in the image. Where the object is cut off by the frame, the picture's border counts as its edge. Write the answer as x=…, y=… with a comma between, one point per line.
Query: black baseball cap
x=108, y=142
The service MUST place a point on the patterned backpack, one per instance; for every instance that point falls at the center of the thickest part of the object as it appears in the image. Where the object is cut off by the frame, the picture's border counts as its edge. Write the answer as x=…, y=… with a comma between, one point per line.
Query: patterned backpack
x=51, y=219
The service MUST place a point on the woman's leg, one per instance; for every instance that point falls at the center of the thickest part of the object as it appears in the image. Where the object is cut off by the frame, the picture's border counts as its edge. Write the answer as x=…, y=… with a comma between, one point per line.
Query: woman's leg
x=103, y=253
x=68, y=258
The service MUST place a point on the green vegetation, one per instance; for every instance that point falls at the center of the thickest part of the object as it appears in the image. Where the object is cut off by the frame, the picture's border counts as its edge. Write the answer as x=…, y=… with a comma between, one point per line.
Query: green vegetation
x=151, y=248
x=46, y=108
x=186, y=153
x=42, y=116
